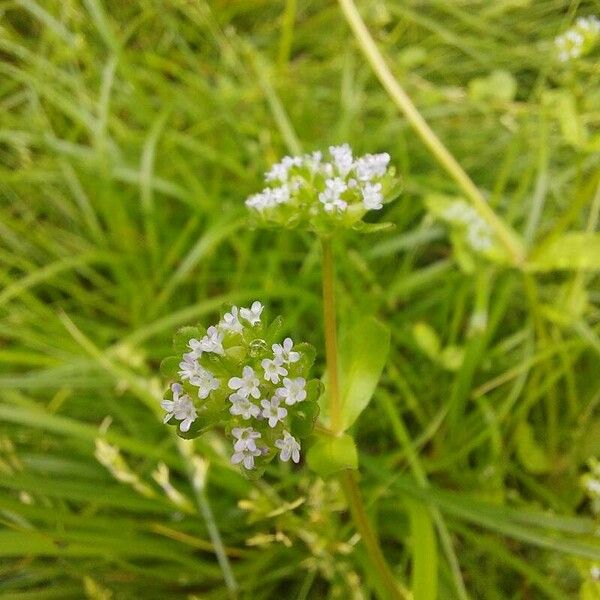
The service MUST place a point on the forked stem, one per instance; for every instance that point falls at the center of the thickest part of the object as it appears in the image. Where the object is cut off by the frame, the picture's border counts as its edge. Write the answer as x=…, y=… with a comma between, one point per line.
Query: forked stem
x=348, y=477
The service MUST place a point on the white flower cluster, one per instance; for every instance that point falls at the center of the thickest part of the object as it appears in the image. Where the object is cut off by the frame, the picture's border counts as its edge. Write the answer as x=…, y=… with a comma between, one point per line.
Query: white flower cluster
x=338, y=182
x=479, y=233
x=181, y=406
x=572, y=43
x=264, y=390
x=246, y=394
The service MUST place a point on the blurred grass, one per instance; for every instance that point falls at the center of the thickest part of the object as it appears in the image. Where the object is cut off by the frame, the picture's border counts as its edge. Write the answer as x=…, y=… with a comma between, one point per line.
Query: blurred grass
x=130, y=133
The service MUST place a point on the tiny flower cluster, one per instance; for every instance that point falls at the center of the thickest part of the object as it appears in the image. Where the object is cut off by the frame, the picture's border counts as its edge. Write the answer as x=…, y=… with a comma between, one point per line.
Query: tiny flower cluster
x=579, y=39
x=236, y=374
x=478, y=233
x=322, y=191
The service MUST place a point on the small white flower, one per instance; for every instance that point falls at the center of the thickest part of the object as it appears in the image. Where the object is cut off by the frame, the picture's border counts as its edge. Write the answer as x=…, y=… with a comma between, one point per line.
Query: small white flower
x=459, y=211
x=245, y=438
x=330, y=197
x=252, y=314
x=246, y=457
x=196, y=348
x=230, y=321
x=372, y=196
x=370, y=166
x=313, y=161
x=189, y=366
x=272, y=411
x=212, y=341
x=289, y=447
x=181, y=407
x=479, y=236
x=595, y=573
x=273, y=369
x=280, y=195
x=478, y=232
x=293, y=390
x=260, y=201
x=284, y=352
x=280, y=170
x=342, y=158
x=243, y=407
x=591, y=24
x=198, y=376
x=247, y=384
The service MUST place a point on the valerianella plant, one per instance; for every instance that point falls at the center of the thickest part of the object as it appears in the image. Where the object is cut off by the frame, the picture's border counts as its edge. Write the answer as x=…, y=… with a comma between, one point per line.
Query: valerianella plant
x=240, y=375
x=324, y=192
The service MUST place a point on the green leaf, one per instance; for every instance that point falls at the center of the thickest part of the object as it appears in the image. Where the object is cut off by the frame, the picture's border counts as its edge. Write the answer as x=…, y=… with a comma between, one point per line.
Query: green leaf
x=169, y=367
x=424, y=552
x=303, y=416
x=364, y=351
x=563, y=106
x=573, y=251
x=499, y=86
x=329, y=455
x=530, y=454
x=183, y=336
x=274, y=330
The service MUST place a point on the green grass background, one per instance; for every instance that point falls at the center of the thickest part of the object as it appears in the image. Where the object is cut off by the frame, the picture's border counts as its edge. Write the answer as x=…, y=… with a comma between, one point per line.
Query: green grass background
x=130, y=134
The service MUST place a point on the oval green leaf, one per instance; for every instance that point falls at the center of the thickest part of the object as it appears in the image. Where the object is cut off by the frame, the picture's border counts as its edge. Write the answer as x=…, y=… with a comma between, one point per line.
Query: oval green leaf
x=329, y=455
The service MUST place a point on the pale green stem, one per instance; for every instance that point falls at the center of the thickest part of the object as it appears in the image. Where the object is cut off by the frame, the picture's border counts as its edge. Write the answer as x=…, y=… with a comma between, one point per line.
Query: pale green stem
x=197, y=477
x=329, y=314
x=504, y=234
x=348, y=478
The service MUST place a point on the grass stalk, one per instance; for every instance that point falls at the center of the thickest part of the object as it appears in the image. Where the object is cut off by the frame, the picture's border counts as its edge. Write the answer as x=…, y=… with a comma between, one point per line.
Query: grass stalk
x=401, y=99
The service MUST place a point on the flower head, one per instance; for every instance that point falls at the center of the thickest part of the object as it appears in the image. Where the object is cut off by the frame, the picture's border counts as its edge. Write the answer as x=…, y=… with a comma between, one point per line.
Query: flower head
x=237, y=375
x=289, y=447
x=578, y=40
x=324, y=192
x=479, y=234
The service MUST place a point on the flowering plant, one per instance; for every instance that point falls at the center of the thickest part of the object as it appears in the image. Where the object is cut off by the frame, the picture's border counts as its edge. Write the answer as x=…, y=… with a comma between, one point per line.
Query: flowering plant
x=238, y=374
x=578, y=40
x=324, y=195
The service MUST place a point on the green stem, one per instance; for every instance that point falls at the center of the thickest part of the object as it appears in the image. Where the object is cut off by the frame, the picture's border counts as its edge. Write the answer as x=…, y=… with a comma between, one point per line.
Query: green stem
x=329, y=314
x=348, y=478
x=506, y=237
